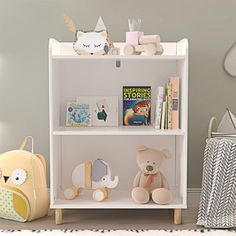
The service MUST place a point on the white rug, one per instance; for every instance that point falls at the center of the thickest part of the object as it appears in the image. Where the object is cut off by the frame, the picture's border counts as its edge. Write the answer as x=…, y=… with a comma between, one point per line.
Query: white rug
x=204, y=232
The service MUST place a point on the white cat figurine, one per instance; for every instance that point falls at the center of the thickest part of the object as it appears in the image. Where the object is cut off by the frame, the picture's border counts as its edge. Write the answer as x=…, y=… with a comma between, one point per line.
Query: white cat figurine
x=91, y=43
x=95, y=42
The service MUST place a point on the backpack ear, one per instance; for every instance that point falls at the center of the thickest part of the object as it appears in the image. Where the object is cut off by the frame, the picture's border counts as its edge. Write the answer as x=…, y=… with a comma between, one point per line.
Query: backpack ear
x=41, y=158
x=166, y=154
x=104, y=34
x=99, y=170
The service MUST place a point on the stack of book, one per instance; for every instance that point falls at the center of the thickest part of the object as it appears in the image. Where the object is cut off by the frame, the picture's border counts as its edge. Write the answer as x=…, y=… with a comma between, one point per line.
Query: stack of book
x=167, y=105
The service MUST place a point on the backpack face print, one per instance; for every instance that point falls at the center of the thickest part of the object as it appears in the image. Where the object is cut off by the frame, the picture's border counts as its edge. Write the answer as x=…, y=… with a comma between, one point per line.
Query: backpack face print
x=91, y=43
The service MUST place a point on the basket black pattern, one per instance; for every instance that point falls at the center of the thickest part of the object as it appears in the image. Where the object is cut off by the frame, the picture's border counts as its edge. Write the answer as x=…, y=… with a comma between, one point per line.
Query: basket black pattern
x=218, y=196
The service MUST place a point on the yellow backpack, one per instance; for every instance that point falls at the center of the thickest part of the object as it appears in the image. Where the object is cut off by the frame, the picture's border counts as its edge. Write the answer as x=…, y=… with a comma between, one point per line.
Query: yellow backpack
x=23, y=188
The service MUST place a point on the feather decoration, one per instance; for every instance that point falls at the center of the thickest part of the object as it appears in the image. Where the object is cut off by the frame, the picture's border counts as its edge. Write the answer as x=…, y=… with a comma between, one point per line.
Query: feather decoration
x=70, y=23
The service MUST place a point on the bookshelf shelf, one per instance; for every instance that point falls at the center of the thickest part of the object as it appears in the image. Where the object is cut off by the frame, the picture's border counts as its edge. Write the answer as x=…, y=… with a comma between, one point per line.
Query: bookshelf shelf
x=118, y=200
x=70, y=76
x=115, y=131
x=121, y=57
x=172, y=51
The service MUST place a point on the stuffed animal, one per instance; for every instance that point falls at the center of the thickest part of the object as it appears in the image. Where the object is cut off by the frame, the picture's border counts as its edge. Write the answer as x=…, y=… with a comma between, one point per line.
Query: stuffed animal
x=95, y=42
x=150, y=182
x=92, y=175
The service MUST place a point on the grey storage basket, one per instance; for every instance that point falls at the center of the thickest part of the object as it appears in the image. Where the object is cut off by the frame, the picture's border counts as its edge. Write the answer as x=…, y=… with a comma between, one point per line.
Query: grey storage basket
x=218, y=195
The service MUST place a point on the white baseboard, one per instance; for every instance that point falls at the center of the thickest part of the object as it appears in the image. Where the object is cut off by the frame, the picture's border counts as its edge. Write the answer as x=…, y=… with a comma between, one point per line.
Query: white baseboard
x=194, y=190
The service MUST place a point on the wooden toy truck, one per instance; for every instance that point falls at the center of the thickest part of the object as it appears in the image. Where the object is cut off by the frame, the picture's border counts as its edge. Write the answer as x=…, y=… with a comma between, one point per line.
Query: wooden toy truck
x=149, y=44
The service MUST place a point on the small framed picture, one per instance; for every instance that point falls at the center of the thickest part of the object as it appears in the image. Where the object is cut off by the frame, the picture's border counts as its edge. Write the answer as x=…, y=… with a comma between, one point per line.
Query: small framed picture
x=78, y=114
x=104, y=109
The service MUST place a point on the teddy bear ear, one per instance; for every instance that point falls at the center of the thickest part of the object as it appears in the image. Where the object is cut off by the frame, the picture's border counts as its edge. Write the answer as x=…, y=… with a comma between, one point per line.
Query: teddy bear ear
x=141, y=148
x=166, y=153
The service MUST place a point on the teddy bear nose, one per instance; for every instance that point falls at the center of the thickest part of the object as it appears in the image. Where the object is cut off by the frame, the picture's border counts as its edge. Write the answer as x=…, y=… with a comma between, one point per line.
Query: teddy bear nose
x=149, y=168
x=5, y=178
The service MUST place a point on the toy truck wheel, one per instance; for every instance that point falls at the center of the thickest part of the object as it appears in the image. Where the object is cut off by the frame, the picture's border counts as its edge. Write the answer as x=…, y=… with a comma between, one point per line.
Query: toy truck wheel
x=71, y=193
x=100, y=194
x=150, y=49
x=160, y=50
x=129, y=49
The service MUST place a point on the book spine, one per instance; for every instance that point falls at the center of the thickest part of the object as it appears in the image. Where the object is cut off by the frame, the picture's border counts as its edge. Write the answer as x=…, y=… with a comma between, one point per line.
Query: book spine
x=163, y=115
x=169, y=106
x=160, y=94
x=166, y=115
x=175, y=102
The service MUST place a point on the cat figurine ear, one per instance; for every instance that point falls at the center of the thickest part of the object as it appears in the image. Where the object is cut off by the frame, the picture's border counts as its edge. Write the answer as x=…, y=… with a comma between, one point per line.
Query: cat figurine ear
x=79, y=33
x=104, y=34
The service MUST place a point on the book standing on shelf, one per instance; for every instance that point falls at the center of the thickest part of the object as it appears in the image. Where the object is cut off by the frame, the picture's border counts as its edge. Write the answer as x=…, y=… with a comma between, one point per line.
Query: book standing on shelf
x=160, y=97
x=167, y=105
x=136, y=105
x=78, y=114
x=163, y=115
x=175, y=102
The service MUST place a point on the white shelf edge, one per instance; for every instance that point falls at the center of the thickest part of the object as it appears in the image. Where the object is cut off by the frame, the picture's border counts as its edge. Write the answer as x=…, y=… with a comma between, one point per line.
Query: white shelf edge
x=119, y=199
x=172, y=51
x=116, y=131
x=151, y=206
x=121, y=57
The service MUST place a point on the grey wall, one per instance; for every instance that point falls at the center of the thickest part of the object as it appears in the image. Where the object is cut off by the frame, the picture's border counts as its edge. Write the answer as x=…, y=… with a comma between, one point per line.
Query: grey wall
x=26, y=26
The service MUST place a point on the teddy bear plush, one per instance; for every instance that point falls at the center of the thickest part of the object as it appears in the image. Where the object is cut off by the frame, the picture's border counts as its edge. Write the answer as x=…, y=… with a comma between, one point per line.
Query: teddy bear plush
x=150, y=183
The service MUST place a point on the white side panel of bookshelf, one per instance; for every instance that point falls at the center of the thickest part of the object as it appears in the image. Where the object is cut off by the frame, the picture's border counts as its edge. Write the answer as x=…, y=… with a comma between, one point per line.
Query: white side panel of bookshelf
x=182, y=142
x=181, y=167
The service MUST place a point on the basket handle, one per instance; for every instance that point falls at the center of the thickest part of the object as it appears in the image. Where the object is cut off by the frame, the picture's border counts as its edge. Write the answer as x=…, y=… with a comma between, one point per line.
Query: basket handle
x=210, y=127
x=22, y=146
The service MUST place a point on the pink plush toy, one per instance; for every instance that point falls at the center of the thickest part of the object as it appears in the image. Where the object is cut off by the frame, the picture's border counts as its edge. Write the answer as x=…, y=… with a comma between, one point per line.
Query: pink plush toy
x=150, y=183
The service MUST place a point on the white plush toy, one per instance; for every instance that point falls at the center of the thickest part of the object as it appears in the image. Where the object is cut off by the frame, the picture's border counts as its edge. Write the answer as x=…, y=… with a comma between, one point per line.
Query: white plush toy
x=96, y=42
x=93, y=43
x=92, y=175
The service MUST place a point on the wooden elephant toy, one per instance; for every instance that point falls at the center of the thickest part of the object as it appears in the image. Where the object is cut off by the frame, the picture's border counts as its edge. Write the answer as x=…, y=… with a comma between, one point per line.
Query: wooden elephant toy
x=94, y=175
x=149, y=44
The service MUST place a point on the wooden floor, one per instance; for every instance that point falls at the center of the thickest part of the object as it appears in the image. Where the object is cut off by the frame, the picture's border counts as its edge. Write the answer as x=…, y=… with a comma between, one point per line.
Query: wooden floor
x=113, y=219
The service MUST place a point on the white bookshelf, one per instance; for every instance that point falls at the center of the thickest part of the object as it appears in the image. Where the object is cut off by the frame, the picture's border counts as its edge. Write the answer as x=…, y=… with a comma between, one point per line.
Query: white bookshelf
x=71, y=75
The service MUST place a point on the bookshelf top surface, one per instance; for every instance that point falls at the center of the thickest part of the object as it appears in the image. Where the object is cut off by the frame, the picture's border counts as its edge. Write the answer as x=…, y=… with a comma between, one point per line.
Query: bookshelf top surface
x=172, y=51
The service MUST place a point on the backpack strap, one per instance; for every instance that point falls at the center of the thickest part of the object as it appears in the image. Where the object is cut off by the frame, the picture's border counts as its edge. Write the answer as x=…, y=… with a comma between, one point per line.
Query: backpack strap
x=22, y=146
x=42, y=159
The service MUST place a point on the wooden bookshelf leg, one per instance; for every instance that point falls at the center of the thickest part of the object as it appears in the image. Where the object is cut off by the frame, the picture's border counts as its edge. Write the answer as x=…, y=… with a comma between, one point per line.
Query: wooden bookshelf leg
x=58, y=216
x=177, y=217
